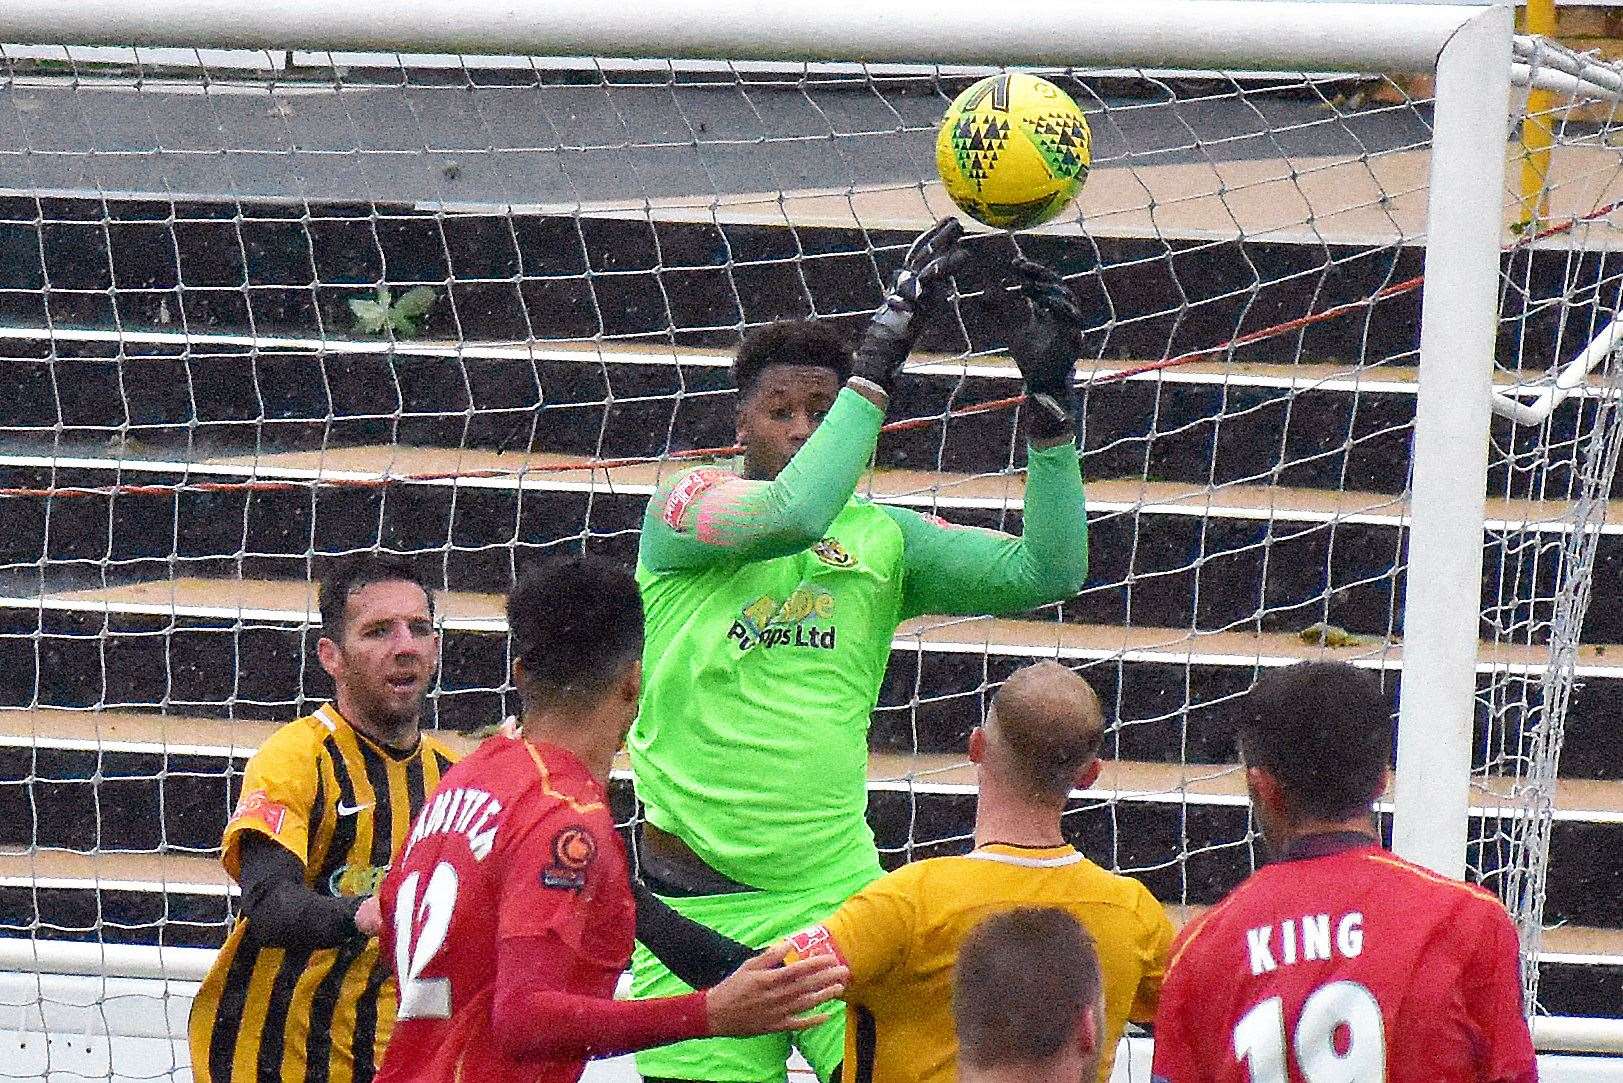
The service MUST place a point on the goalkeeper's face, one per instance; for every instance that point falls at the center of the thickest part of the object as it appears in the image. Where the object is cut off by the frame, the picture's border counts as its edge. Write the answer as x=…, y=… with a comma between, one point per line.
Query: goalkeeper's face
x=779, y=413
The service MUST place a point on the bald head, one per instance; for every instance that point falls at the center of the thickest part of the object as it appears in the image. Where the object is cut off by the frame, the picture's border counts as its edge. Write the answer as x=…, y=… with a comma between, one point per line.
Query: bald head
x=1044, y=727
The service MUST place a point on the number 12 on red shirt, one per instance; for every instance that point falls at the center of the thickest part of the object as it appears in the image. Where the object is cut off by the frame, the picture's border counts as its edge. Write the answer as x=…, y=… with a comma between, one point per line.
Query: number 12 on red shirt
x=420, y=997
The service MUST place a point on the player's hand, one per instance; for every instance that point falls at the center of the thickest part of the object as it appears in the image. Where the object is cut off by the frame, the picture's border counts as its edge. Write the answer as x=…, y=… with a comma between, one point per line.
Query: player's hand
x=934, y=257
x=765, y=995
x=369, y=918
x=1047, y=347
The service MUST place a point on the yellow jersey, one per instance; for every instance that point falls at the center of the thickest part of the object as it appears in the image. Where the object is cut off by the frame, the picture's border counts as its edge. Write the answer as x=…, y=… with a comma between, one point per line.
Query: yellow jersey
x=342, y=805
x=901, y=934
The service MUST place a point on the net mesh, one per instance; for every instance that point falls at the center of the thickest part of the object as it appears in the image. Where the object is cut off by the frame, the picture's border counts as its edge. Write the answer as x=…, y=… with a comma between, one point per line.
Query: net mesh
x=260, y=310
x=1561, y=286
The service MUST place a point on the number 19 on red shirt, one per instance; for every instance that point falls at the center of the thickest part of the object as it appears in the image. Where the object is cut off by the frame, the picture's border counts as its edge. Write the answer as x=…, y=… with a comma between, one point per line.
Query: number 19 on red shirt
x=1339, y=1037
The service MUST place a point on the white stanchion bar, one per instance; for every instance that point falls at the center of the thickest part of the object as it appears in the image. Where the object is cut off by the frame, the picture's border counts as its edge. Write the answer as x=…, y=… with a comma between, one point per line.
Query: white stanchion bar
x=1244, y=34
x=128, y=972
x=1568, y=381
x=21, y=956
x=1544, y=53
x=1452, y=412
x=1577, y=1034
x=1559, y=82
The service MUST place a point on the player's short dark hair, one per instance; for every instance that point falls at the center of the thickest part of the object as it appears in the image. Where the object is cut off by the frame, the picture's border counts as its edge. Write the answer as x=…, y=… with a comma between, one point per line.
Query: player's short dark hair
x=575, y=621
x=790, y=342
x=1021, y=983
x=1324, y=730
x=349, y=574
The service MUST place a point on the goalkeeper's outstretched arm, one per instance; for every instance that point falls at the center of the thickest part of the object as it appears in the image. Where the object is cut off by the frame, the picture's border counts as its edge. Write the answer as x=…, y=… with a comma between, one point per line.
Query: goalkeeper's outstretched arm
x=712, y=516
x=959, y=571
x=966, y=570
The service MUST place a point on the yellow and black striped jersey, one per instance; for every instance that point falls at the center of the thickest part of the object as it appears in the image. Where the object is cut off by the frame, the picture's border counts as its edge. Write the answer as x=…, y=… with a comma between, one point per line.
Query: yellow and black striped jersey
x=900, y=936
x=342, y=805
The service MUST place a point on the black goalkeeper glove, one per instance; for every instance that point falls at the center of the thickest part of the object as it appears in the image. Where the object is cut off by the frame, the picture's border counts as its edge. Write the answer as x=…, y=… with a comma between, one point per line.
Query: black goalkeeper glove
x=934, y=257
x=1046, y=349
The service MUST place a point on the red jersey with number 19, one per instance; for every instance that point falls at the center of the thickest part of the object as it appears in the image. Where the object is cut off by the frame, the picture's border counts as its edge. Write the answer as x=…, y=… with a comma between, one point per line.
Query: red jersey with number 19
x=516, y=842
x=1343, y=961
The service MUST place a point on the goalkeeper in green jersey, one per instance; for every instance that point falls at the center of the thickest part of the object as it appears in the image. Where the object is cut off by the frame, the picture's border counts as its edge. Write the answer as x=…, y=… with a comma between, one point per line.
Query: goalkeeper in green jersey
x=772, y=599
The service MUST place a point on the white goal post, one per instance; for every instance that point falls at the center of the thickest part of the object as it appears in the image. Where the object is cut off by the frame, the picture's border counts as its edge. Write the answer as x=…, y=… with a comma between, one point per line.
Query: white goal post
x=1235, y=34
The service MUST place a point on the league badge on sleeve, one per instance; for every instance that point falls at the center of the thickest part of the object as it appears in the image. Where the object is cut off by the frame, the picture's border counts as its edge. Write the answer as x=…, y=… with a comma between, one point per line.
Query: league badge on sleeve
x=573, y=851
x=686, y=492
x=257, y=805
x=809, y=942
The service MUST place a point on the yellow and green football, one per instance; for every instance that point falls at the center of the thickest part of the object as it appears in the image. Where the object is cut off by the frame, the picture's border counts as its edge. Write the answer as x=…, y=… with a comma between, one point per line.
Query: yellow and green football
x=1013, y=150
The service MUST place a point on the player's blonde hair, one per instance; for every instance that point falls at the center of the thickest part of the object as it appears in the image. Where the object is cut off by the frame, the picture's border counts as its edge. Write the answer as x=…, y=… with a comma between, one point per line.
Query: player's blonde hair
x=1050, y=723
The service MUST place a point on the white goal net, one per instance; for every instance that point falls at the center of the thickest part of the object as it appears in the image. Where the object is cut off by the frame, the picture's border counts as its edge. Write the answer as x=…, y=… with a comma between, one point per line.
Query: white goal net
x=260, y=309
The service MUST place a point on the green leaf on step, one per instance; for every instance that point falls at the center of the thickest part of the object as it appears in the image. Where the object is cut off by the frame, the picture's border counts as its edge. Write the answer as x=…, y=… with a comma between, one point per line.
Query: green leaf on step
x=383, y=313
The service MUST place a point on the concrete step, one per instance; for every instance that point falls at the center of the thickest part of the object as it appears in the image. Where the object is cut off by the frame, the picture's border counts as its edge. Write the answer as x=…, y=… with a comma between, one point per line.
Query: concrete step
x=183, y=643
x=241, y=264
x=1285, y=557
x=120, y=781
x=169, y=899
x=100, y=747
x=1335, y=425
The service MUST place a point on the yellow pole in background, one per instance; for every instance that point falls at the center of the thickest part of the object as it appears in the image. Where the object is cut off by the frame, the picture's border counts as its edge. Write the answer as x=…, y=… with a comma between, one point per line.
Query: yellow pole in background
x=1537, y=136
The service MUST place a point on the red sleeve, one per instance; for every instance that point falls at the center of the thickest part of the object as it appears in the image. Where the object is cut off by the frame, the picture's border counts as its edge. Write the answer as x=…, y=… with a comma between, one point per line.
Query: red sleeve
x=534, y=1015
x=1175, y=1060
x=1494, y=1001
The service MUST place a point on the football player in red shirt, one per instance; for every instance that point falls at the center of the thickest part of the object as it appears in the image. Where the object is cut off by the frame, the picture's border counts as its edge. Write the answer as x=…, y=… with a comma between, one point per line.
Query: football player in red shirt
x=1338, y=961
x=509, y=913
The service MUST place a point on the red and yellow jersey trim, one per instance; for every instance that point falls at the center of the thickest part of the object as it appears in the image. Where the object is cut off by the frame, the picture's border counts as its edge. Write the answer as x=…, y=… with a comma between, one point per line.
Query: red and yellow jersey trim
x=574, y=803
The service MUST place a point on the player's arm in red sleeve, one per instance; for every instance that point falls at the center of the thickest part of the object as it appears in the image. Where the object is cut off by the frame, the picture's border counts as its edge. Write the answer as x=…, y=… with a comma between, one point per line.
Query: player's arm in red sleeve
x=1175, y=1059
x=1493, y=998
x=536, y=1015
x=539, y=1010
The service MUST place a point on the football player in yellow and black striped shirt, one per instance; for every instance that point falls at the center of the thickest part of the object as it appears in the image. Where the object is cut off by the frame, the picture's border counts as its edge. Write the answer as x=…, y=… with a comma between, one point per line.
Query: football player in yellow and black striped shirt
x=299, y=991
x=900, y=935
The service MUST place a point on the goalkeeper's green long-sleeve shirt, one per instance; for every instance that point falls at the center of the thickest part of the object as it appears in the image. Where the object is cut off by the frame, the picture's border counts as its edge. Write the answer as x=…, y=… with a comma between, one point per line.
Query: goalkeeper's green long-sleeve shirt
x=770, y=612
